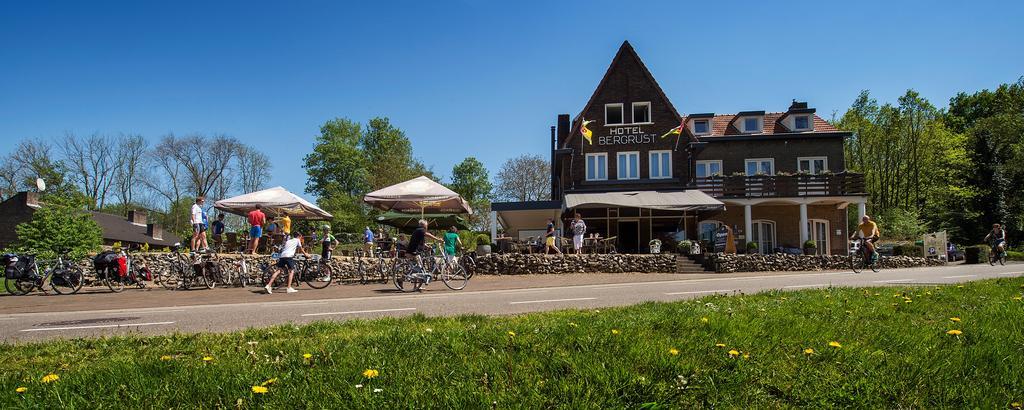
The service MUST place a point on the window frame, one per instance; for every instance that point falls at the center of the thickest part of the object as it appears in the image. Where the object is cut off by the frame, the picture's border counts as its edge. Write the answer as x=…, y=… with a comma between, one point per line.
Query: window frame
x=704, y=120
x=811, y=160
x=632, y=112
x=747, y=161
x=586, y=166
x=618, y=170
x=708, y=162
x=810, y=125
x=650, y=163
x=758, y=126
x=622, y=112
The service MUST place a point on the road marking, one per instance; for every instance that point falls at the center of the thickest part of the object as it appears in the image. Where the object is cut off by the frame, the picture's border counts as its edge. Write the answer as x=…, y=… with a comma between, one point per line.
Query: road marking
x=816, y=285
x=892, y=281
x=694, y=292
x=959, y=276
x=96, y=326
x=155, y=312
x=354, y=312
x=549, y=301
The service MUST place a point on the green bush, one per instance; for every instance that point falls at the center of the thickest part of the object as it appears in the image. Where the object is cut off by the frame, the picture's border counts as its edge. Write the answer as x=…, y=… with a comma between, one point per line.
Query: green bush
x=900, y=224
x=810, y=244
x=976, y=254
x=483, y=239
x=468, y=239
x=684, y=247
x=907, y=250
x=60, y=225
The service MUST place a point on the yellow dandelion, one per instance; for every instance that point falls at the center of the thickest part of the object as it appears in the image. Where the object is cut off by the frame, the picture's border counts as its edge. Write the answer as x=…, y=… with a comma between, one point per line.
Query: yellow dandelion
x=808, y=351
x=615, y=331
x=50, y=378
x=1015, y=405
x=835, y=344
x=878, y=294
x=955, y=319
x=704, y=320
x=511, y=333
x=370, y=373
x=960, y=287
x=165, y=358
x=269, y=382
x=306, y=355
x=1018, y=298
x=259, y=389
x=719, y=344
x=733, y=353
x=954, y=332
x=571, y=324
x=207, y=358
x=673, y=352
x=21, y=389
x=746, y=355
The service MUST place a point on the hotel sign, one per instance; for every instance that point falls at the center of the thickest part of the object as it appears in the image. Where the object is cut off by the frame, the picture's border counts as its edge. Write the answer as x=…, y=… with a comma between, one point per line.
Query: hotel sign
x=626, y=135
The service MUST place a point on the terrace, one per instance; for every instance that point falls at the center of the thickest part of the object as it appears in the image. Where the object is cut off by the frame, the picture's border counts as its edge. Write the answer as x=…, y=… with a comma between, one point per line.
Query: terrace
x=782, y=186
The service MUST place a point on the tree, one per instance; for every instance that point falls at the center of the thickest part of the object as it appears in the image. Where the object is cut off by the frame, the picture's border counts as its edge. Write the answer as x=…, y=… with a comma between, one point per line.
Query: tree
x=524, y=178
x=131, y=166
x=388, y=153
x=203, y=159
x=62, y=224
x=92, y=163
x=337, y=173
x=471, y=180
x=253, y=169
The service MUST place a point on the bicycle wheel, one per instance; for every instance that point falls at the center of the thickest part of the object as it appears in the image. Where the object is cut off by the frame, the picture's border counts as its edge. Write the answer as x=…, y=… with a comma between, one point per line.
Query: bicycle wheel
x=992, y=258
x=169, y=279
x=211, y=275
x=71, y=281
x=316, y=275
x=875, y=264
x=361, y=273
x=114, y=282
x=468, y=263
x=22, y=285
x=855, y=263
x=455, y=277
x=1002, y=259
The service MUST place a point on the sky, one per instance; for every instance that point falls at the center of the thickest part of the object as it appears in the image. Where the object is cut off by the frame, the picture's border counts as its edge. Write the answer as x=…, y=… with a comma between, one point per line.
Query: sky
x=466, y=78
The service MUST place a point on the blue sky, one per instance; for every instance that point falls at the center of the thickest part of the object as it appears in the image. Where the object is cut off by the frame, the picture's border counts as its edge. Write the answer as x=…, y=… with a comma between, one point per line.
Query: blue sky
x=464, y=78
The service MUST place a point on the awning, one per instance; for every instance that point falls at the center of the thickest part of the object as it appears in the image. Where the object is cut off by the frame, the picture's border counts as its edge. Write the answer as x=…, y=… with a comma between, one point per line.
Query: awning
x=690, y=200
x=419, y=195
x=274, y=201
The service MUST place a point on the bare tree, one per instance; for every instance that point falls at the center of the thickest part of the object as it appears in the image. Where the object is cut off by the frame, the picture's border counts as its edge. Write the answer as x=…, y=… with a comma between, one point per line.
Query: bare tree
x=168, y=182
x=524, y=178
x=253, y=169
x=92, y=163
x=204, y=160
x=132, y=159
x=9, y=178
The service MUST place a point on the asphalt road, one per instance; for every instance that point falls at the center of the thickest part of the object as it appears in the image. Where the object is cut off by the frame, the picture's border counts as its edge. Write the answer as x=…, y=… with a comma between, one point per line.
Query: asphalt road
x=152, y=312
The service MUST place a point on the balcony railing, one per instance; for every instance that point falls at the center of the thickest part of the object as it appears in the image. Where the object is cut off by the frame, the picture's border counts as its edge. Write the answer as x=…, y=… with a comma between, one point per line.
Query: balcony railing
x=781, y=186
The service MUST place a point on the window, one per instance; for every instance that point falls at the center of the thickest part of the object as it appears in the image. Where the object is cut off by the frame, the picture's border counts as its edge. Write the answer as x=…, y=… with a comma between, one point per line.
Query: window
x=818, y=231
x=597, y=166
x=709, y=168
x=802, y=122
x=812, y=165
x=763, y=234
x=613, y=114
x=629, y=165
x=751, y=124
x=661, y=164
x=641, y=112
x=760, y=166
x=701, y=127
x=706, y=231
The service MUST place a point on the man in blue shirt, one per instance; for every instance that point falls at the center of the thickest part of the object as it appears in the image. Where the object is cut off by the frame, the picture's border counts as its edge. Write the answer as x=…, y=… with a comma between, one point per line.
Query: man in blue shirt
x=368, y=242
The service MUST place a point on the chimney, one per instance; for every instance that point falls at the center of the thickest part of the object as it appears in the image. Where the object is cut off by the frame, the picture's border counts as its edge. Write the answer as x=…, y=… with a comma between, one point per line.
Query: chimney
x=31, y=199
x=137, y=217
x=798, y=105
x=154, y=231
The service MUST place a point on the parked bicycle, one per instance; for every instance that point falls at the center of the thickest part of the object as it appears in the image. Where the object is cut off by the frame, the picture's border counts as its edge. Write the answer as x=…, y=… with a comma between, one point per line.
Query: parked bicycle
x=177, y=268
x=370, y=269
x=22, y=274
x=860, y=258
x=116, y=269
x=237, y=272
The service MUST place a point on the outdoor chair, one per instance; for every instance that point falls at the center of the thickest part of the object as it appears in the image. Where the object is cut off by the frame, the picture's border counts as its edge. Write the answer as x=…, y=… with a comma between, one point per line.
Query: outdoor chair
x=232, y=242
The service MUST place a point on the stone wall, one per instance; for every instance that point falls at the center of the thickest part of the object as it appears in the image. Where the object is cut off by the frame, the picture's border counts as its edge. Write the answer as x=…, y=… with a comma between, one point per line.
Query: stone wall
x=519, y=264
x=724, y=263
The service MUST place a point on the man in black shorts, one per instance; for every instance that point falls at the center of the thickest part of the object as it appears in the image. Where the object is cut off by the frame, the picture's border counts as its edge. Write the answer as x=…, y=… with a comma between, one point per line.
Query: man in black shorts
x=419, y=236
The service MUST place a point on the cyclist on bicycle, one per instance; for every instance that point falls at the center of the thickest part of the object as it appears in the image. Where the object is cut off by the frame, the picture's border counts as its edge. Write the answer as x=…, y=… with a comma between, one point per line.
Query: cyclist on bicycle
x=868, y=230
x=328, y=242
x=996, y=239
x=286, y=261
x=417, y=240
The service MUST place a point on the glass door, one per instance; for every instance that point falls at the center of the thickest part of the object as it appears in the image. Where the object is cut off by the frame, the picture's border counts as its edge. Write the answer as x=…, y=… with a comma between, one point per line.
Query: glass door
x=818, y=230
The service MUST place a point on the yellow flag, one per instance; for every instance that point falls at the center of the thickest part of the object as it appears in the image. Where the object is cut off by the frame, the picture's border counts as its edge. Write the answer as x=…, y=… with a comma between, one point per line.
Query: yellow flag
x=586, y=131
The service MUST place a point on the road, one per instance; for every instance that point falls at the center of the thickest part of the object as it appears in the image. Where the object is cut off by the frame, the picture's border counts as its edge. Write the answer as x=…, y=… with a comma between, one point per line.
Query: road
x=152, y=312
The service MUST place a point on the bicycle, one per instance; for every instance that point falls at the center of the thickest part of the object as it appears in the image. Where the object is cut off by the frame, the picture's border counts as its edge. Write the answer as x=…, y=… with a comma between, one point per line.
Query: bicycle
x=996, y=255
x=468, y=262
x=64, y=277
x=371, y=272
x=237, y=274
x=433, y=264
x=206, y=268
x=116, y=269
x=860, y=258
x=177, y=269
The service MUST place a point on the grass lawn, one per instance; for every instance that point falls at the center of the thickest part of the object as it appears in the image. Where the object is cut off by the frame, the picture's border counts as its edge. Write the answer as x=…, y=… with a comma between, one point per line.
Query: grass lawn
x=893, y=349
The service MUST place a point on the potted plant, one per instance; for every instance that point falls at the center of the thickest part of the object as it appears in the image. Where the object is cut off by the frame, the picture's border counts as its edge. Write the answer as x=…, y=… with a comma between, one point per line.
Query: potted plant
x=810, y=247
x=684, y=246
x=751, y=247
x=483, y=244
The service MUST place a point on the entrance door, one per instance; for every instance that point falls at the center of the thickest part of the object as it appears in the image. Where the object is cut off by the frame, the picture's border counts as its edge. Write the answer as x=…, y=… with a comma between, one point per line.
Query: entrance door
x=629, y=237
x=764, y=236
x=818, y=229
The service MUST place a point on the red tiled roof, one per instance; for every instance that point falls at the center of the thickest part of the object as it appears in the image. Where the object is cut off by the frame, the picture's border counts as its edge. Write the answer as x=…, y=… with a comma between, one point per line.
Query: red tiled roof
x=722, y=125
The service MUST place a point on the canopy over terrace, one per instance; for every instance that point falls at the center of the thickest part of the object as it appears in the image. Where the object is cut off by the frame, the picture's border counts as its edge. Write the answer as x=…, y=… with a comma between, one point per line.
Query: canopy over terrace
x=691, y=200
x=418, y=195
x=408, y=222
x=274, y=201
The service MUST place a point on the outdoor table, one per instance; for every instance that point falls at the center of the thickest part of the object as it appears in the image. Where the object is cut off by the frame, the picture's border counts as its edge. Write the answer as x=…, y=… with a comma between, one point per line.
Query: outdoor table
x=591, y=244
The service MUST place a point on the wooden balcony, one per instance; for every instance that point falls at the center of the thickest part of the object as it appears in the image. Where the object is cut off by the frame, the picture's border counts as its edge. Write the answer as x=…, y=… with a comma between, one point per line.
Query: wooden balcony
x=781, y=186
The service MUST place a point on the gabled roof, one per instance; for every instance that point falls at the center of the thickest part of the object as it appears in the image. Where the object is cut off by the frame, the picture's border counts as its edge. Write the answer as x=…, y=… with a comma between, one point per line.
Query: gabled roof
x=625, y=51
x=723, y=125
x=117, y=228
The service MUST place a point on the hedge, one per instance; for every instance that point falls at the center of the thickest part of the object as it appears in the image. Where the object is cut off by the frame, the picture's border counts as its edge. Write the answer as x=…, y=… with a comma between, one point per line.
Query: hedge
x=976, y=254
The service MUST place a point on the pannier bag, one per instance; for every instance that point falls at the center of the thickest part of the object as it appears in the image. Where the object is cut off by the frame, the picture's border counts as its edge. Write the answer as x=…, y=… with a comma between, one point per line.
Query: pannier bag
x=122, y=266
x=105, y=261
x=17, y=267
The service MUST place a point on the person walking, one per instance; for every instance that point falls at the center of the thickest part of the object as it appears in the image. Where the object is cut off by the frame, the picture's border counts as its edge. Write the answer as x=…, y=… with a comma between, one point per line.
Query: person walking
x=368, y=241
x=451, y=243
x=286, y=261
x=579, y=228
x=256, y=219
x=198, y=221
x=549, y=239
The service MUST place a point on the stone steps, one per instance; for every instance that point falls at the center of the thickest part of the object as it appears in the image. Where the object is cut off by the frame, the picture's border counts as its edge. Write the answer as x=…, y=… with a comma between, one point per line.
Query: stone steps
x=685, y=265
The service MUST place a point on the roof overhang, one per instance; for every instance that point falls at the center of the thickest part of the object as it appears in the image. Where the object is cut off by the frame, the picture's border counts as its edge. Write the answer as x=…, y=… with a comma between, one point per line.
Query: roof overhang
x=689, y=200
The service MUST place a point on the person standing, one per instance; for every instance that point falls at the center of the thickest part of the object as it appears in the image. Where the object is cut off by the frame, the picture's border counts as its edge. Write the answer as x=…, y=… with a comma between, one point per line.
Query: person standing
x=218, y=231
x=256, y=219
x=368, y=242
x=579, y=228
x=198, y=221
x=327, y=243
x=451, y=243
x=286, y=224
x=286, y=261
x=549, y=239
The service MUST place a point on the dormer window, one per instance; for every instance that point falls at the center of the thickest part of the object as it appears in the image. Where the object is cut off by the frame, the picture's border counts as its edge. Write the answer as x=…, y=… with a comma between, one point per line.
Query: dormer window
x=751, y=125
x=641, y=112
x=802, y=122
x=701, y=127
x=613, y=114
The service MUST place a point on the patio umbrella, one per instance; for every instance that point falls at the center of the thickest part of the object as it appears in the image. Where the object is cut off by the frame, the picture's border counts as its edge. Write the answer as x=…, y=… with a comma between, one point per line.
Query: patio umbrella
x=408, y=222
x=420, y=194
x=274, y=201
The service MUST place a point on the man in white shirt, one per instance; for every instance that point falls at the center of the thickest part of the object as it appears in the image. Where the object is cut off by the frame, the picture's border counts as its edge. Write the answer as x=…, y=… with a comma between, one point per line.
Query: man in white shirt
x=198, y=221
x=286, y=261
